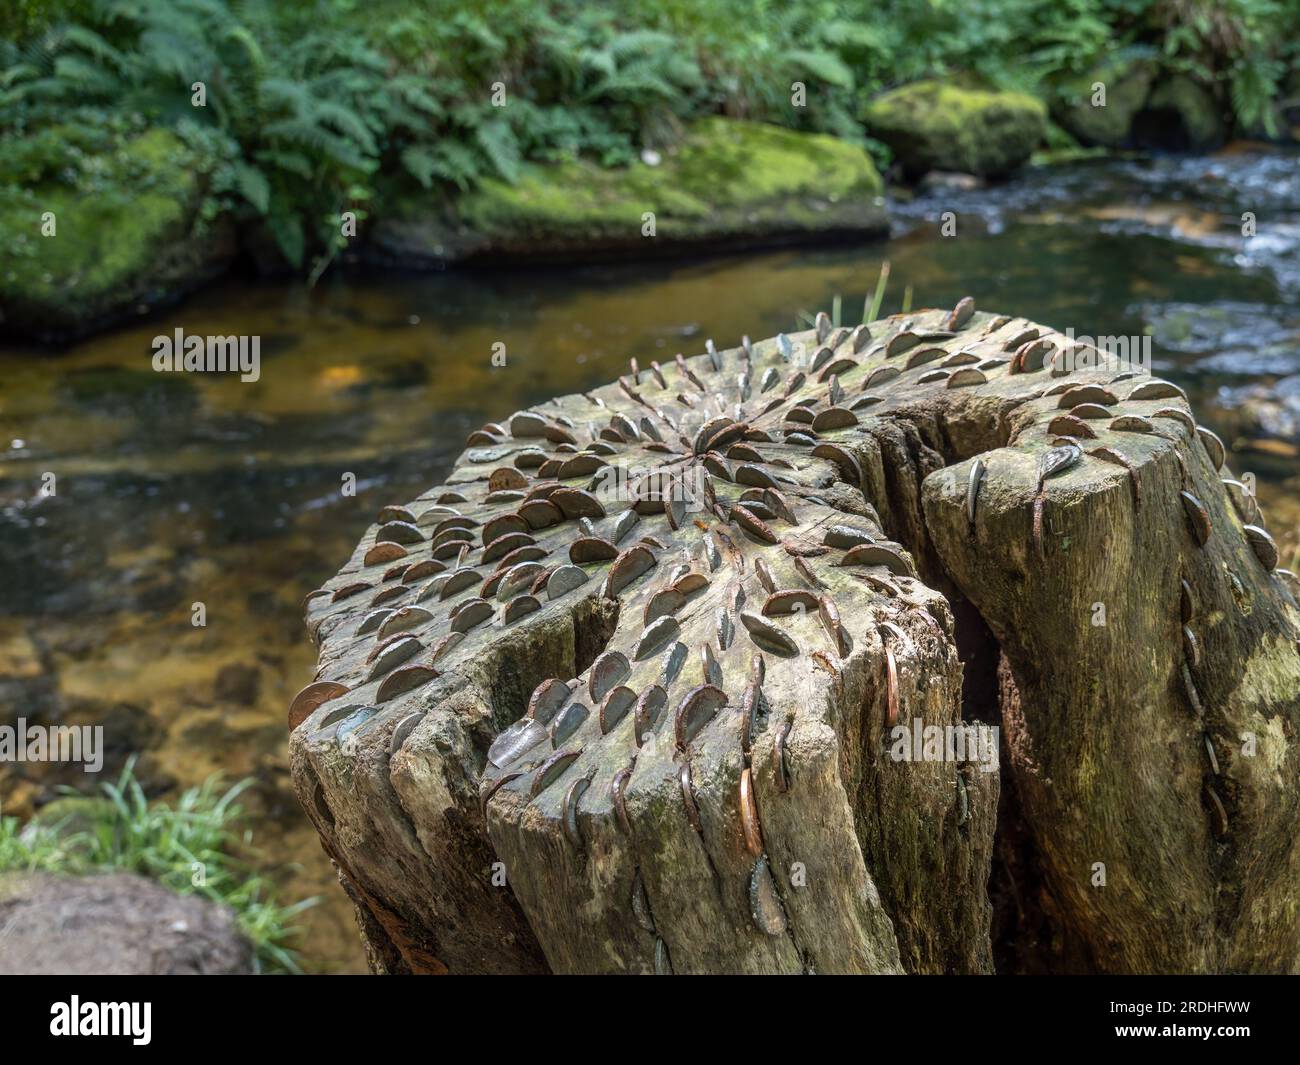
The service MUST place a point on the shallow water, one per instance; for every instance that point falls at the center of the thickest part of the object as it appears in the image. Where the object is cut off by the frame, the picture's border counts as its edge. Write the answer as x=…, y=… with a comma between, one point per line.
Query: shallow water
x=180, y=489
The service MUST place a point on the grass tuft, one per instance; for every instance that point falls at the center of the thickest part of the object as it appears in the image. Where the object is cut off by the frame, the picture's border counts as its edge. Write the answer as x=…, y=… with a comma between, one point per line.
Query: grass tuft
x=193, y=847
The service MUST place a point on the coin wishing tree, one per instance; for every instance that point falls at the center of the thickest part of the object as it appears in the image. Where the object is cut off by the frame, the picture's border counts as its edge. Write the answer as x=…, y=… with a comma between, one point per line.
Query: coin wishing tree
x=621, y=694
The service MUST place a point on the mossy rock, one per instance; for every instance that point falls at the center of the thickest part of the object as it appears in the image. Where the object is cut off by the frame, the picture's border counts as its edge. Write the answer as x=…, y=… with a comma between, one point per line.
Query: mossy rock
x=126, y=228
x=932, y=125
x=1127, y=85
x=1183, y=114
x=728, y=182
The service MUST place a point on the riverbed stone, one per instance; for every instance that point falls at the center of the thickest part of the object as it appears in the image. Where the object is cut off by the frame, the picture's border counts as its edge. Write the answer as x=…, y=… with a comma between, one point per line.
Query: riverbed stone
x=932, y=125
x=128, y=230
x=237, y=683
x=728, y=182
x=114, y=925
x=1265, y=412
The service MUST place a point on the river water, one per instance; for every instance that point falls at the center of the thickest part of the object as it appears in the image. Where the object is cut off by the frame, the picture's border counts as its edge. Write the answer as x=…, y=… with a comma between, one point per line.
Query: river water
x=175, y=489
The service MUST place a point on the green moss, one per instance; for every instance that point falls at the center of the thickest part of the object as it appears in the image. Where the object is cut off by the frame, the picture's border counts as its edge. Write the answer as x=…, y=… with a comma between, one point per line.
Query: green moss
x=726, y=177
x=1127, y=85
x=115, y=211
x=1068, y=156
x=932, y=125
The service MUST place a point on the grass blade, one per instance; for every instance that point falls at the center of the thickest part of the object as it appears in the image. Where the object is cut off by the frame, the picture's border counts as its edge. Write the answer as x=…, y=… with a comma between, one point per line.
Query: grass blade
x=879, y=297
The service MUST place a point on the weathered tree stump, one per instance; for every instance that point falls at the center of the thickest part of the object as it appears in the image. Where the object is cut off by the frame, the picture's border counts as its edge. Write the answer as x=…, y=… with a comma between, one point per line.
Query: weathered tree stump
x=619, y=695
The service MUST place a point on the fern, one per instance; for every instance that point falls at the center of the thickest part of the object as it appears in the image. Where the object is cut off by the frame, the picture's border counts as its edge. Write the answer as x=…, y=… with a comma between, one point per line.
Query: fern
x=1252, y=88
x=498, y=143
x=90, y=42
x=821, y=66
x=294, y=163
x=253, y=185
x=310, y=104
x=287, y=228
x=455, y=163
x=421, y=163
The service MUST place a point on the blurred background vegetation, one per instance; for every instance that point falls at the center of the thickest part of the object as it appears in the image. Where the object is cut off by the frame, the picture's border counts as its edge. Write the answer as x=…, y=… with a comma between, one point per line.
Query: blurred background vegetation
x=312, y=104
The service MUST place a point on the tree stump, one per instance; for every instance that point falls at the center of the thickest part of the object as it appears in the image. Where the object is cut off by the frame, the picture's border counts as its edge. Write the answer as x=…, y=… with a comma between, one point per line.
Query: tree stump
x=632, y=690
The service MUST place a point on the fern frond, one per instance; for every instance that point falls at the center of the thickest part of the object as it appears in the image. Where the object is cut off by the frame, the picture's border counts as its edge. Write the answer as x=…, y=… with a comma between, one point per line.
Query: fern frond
x=253, y=185
x=501, y=147
x=821, y=66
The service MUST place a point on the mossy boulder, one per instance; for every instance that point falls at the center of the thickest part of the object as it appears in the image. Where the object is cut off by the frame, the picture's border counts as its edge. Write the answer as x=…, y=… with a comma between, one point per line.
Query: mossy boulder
x=1182, y=114
x=74, y=813
x=97, y=223
x=728, y=182
x=1098, y=108
x=932, y=125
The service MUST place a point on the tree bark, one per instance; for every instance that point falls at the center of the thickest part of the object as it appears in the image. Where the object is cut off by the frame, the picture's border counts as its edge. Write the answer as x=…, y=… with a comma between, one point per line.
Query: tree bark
x=631, y=691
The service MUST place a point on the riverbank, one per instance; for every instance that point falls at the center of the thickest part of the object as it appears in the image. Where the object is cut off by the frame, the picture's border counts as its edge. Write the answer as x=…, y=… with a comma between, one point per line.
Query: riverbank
x=319, y=137
x=151, y=239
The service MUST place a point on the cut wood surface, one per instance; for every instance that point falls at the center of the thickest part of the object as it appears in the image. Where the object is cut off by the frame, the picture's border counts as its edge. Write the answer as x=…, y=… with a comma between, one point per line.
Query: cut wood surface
x=620, y=695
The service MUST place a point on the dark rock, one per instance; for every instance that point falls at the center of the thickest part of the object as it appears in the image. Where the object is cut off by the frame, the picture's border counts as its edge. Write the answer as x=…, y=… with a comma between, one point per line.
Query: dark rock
x=1180, y=115
x=114, y=925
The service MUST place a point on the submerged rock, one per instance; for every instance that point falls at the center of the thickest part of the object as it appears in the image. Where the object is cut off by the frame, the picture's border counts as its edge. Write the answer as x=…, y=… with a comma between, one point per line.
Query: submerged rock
x=76, y=258
x=933, y=125
x=1265, y=412
x=114, y=925
x=728, y=183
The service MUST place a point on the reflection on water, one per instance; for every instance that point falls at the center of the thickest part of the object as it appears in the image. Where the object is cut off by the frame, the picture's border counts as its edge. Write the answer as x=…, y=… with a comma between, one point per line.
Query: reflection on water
x=175, y=489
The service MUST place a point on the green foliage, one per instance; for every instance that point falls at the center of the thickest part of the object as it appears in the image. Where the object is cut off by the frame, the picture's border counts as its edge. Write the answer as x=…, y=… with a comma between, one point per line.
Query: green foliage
x=298, y=117
x=310, y=103
x=726, y=175
x=1249, y=45
x=191, y=848
x=806, y=319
